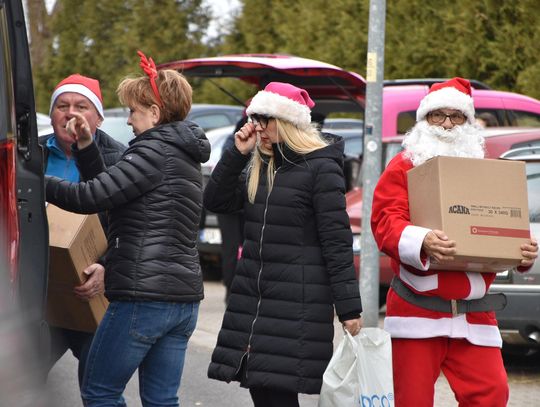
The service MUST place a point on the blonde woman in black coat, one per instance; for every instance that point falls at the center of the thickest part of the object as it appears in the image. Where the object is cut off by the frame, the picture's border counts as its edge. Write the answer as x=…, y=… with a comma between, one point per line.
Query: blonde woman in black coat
x=297, y=261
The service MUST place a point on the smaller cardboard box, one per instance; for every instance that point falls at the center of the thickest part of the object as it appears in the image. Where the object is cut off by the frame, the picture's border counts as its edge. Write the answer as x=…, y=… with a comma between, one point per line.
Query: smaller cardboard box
x=75, y=242
x=480, y=203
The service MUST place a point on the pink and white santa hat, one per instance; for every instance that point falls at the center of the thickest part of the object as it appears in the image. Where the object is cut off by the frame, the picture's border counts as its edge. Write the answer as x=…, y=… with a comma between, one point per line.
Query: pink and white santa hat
x=455, y=93
x=82, y=85
x=283, y=101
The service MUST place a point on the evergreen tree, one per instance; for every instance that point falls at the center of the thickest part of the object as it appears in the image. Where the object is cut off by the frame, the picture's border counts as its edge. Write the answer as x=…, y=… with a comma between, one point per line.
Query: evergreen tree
x=485, y=39
x=99, y=38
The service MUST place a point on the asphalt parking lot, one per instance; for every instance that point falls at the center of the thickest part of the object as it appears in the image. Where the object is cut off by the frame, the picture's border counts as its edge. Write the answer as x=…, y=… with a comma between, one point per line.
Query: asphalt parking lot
x=523, y=372
x=197, y=390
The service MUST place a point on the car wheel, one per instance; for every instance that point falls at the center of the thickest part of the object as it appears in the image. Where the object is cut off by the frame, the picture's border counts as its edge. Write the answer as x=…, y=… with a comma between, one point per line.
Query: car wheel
x=513, y=351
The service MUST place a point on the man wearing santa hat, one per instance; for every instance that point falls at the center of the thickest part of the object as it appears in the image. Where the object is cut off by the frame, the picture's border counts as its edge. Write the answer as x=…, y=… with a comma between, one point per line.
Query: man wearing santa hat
x=76, y=95
x=438, y=320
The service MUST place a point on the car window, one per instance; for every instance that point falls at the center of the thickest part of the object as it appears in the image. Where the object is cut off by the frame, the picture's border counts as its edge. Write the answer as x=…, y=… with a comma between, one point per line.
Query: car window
x=525, y=119
x=212, y=121
x=406, y=120
x=5, y=108
x=492, y=117
x=390, y=150
x=533, y=189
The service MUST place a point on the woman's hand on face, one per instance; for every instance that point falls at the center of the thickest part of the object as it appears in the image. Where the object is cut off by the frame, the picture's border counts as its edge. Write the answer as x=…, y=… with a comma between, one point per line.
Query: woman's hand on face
x=245, y=139
x=353, y=326
x=79, y=128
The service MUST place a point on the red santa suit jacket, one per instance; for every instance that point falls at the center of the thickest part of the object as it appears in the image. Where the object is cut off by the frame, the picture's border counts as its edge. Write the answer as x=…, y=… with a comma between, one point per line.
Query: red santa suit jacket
x=402, y=241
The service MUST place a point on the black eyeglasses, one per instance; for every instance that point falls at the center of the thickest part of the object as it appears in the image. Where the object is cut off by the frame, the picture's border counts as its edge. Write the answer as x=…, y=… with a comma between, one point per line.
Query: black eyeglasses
x=438, y=117
x=259, y=119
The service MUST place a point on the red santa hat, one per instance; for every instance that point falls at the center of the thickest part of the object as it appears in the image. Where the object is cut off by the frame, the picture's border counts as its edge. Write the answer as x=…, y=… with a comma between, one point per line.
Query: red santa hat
x=283, y=101
x=452, y=94
x=82, y=85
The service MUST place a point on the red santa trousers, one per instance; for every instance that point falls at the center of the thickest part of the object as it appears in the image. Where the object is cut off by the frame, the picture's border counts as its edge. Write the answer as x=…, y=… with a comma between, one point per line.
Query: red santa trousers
x=475, y=373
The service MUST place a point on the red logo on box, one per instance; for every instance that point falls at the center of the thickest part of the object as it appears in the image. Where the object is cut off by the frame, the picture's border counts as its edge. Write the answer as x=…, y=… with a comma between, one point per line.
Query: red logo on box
x=501, y=232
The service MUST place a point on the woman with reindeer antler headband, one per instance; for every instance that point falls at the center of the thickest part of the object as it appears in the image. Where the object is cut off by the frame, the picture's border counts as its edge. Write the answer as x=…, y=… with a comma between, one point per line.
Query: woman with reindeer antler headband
x=154, y=198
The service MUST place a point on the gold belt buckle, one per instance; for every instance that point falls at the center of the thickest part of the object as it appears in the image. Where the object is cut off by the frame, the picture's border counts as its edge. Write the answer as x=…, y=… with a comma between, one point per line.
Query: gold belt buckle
x=453, y=304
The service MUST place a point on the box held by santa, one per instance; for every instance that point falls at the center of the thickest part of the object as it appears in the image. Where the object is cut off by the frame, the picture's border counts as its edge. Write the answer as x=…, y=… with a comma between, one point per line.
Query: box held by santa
x=480, y=203
x=75, y=242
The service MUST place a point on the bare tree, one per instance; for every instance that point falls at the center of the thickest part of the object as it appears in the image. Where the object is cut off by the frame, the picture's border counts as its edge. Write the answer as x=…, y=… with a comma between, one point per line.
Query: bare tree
x=38, y=22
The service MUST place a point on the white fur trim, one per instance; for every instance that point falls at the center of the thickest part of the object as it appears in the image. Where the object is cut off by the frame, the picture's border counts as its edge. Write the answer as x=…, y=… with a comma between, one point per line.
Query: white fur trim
x=419, y=283
x=457, y=327
x=278, y=106
x=410, y=245
x=446, y=98
x=81, y=90
x=478, y=286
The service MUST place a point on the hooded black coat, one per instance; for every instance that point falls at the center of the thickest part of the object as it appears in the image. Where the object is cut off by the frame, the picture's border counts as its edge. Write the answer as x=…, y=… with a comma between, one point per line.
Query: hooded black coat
x=296, y=263
x=154, y=198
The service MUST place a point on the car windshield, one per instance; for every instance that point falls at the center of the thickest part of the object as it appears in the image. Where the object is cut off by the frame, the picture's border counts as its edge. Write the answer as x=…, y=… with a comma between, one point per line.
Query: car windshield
x=217, y=138
x=353, y=147
x=118, y=128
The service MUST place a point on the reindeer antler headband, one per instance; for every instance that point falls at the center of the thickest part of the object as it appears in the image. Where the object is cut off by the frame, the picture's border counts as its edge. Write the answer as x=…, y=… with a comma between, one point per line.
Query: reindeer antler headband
x=149, y=68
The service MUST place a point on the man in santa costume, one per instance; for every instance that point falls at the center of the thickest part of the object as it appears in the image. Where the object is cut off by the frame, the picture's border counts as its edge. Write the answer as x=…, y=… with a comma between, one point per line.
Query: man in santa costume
x=438, y=320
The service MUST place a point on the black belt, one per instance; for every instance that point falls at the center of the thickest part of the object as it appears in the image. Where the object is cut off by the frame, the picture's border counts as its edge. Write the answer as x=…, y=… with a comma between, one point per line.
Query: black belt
x=489, y=302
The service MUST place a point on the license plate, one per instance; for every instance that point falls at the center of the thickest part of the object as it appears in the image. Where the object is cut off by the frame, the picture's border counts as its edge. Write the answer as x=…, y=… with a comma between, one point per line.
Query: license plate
x=210, y=235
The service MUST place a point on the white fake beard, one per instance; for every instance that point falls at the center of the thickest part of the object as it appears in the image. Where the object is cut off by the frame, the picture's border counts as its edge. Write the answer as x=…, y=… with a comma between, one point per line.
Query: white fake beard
x=425, y=141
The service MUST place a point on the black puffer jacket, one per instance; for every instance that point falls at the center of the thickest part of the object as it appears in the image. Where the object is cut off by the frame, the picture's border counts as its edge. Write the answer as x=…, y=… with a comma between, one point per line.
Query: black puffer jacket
x=296, y=264
x=154, y=199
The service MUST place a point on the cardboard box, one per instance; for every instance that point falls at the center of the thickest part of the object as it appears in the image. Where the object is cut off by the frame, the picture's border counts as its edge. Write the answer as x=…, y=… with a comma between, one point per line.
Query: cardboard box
x=75, y=242
x=480, y=203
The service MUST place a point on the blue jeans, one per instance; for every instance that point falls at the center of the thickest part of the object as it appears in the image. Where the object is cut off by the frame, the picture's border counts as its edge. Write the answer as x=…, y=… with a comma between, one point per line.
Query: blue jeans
x=149, y=336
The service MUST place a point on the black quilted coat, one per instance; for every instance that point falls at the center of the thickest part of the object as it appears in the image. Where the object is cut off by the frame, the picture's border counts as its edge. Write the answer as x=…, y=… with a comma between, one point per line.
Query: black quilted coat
x=296, y=264
x=154, y=198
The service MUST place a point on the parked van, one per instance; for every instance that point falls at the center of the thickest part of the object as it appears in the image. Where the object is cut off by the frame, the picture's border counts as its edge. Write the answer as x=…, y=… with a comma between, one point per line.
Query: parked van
x=23, y=223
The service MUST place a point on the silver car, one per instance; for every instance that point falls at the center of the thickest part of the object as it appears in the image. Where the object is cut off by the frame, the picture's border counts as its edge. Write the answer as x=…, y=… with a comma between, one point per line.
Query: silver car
x=519, y=322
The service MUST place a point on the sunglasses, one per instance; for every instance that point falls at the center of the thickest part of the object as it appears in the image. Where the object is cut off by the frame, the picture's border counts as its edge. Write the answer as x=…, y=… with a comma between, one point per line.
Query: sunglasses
x=438, y=117
x=260, y=120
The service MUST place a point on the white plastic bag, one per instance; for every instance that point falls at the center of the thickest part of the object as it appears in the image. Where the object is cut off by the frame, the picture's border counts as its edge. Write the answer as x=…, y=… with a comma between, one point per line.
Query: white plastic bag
x=360, y=372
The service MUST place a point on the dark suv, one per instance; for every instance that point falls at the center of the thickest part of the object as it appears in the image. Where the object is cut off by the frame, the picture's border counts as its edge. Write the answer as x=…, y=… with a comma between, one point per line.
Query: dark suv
x=23, y=223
